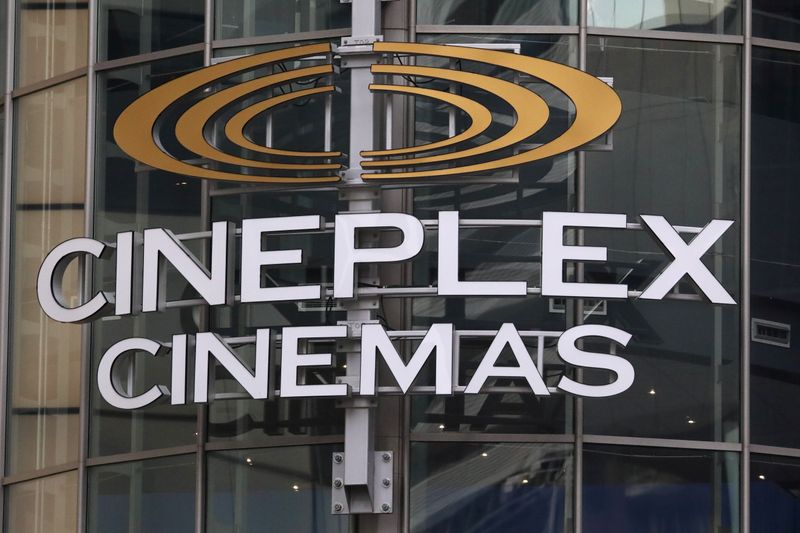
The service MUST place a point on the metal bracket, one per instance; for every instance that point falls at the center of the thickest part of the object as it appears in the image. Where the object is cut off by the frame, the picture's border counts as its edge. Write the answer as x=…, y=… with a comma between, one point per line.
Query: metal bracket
x=344, y=500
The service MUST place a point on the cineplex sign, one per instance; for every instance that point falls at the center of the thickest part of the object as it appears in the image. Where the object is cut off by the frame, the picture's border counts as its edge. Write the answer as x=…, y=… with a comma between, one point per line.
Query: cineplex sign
x=141, y=259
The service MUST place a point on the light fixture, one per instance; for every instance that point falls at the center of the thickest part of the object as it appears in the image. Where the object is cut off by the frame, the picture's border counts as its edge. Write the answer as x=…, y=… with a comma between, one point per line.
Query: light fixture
x=441, y=426
x=524, y=481
x=296, y=487
x=484, y=454
x=652, y=392
x=249, y=461
x=762, y=477
x=689, y=420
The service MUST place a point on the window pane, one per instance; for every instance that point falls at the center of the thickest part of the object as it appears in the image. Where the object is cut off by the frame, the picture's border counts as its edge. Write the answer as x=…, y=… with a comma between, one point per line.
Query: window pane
x=703, y=16
x=675, y=154
x=46, y=505
x=133, y=27
x=775, y=367
x=631, y=490
x=45, y=358
x=272, y=490
x=497, y=12
x=774, y=494
x=132, y=197
x=154, y=496
x=776, y=19
x=491, y=488
x=250, y=18
x=53, y=38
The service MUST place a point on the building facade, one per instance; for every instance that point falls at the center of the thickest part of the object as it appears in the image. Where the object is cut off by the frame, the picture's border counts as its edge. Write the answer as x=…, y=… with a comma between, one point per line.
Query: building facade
x=706, y=438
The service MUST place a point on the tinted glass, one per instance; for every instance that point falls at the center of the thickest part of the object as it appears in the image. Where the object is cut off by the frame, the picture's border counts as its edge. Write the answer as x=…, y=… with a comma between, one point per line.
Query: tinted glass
x=45, y=357
x=154, y=496
x=272, y=490
x=631, y=490
x=675, y=153
x=497, y=12
x=774, y=494
x=776, y=19
x=491, y=488
x=712, y=16
x=46, y=505
x=775, y=367
x=250, y=18
x=129, y=28
x=52, y=38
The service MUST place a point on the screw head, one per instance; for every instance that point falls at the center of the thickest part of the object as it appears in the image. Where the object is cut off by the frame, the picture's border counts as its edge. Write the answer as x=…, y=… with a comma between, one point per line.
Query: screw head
x=337, y=507
x=386, y=507
x=386, y=457
x=386, y=482
x=337, y=483
x=337, y=458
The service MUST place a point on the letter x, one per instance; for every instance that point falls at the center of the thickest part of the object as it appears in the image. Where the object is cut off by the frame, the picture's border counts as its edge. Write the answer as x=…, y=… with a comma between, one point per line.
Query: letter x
x=686, y=259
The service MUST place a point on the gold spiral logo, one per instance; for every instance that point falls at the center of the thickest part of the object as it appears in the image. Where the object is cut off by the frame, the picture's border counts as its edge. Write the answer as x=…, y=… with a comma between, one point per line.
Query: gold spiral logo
x=138, y=130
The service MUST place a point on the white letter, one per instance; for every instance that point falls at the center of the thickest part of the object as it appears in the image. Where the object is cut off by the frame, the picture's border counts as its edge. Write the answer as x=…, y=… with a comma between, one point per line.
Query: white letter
x=449, y=284
x=161, y=246
x=110, y=385
x=256, y=383
x=129, y=273
x=291, y=360
x=508, y=334
x=347, y=255
x=51, y=276
x=180, y=353
x=374, y=338
x=686, y=259
x=554, y=253
x=572, y=355
x=253, y=258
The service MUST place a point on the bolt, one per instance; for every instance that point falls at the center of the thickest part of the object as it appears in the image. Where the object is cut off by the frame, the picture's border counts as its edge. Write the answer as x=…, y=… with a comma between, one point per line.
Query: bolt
x=386, y=457
x=337, y=483
x=386, y=507
x=337, y=458
x=386, y=482
x=337, y=507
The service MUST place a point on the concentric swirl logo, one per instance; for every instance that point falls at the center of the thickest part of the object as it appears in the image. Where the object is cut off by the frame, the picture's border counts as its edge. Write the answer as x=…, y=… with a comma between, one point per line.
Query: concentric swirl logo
x=212, y=123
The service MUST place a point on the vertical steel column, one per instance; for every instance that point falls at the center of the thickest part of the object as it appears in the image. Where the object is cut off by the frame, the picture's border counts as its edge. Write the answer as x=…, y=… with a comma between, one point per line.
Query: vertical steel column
x=744, y=297
x=5, y=241
x=88, y=272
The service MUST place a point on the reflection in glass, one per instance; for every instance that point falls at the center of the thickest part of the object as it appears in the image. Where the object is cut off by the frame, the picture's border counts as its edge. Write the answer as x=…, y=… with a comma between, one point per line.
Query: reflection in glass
x=776, y=19
x=53, y=38
x=775, y=257
x=676, y=152
x=153, y=496
x=490, y=488
x=250, y=18
x=45, y=356
x=503, y=253
x=631, y=490
x=497, y=12
x=130, y=197
x=702, y=16
x=272, y=490
x=133, y=27
x=46, y=505
x=774, y=494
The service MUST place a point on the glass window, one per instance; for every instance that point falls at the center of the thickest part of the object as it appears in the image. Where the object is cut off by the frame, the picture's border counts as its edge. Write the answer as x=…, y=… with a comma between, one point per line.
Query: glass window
x=774, y=494
x=503, y=253
x=46, y=505
x=630, y=490
x=53, y=38
x=497, y=12
x=491, y=488
x=272, y=490
x=675, y=154
x=776, y=19
x=251, y=18
x=154, y=496
x=129, y=28
x=45, y=358
x=131, y=197
x=775, y=257
x=702, y=16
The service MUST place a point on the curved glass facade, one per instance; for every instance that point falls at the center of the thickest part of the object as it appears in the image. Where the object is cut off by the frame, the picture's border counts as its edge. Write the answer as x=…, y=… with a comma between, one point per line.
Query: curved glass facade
x=706, y=439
